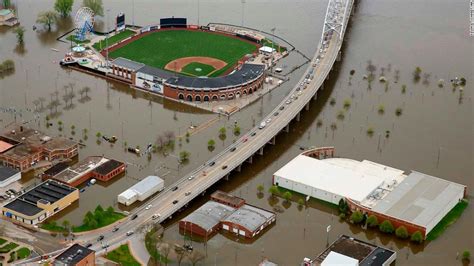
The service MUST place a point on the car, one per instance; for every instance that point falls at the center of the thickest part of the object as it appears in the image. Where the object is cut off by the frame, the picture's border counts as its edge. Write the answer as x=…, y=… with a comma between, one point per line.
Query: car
x=115, y=229
x=298, y=89
x=245, y=139
x=174, y=188
x=134, y=216
x=155, y=216
x=268, y=120
x=100, y=238
x=275, y=113
x=212, y=163
x=175, y=201
x=292, y=97
x=262, y=125
x=191, y=177
x=224, y=167
x=129, y=233
x=288, y=102
x=282, y=107
x=299, y=93
x=233, y=149
x=253, y=134
x=187, y=193
x=105, y=245
x=88, y=245
x=148, y=207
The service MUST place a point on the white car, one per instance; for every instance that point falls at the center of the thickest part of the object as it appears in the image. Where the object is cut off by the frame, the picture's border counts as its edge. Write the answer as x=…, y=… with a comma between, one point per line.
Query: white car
x=191, y=177
x=288, y=102
x=262, y=125
x=129, y=233
x=148, y=207
x=268, y=120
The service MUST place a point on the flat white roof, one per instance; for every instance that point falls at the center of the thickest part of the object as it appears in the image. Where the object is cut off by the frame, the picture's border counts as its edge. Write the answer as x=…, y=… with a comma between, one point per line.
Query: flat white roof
x=127, y=194
x=146, y=184
x=345, y=177
x=266, y=49
x=337, y=259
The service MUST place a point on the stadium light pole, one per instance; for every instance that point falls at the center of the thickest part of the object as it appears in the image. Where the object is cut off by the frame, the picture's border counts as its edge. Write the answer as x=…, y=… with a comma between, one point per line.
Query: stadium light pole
x=243, y=9
x=133, y=12
x=198, y=12
x=107, y=37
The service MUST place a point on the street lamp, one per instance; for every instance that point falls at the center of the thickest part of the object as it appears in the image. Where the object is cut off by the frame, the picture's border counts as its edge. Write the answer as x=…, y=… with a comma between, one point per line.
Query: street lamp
x=107, y=37
x=243, y=4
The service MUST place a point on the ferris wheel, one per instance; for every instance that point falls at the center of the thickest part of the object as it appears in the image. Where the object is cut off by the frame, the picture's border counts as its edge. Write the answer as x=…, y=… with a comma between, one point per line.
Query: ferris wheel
x=84, y=22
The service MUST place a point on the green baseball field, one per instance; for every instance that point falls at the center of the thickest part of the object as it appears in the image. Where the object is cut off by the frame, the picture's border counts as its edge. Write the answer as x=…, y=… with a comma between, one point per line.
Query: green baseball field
x=172, y=47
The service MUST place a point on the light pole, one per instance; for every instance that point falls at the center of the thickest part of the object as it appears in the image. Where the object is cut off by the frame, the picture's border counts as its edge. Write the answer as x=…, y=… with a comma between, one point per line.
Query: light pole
x=198, y=12
x=133, y=12
x=107, y=37
x=243, y=4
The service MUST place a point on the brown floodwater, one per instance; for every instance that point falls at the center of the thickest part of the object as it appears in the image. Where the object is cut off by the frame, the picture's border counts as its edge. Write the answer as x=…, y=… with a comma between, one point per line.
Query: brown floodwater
x=433, y=135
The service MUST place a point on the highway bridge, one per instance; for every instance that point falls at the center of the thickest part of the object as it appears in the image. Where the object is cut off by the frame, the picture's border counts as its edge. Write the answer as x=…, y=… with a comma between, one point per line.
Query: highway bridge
x=233, y=157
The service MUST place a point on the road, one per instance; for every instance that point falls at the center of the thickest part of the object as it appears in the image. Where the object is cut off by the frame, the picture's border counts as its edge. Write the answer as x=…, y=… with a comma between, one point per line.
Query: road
x=198, y=181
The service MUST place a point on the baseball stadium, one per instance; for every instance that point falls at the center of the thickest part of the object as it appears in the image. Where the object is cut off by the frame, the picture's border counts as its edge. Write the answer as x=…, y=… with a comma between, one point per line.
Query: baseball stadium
x=188, y=62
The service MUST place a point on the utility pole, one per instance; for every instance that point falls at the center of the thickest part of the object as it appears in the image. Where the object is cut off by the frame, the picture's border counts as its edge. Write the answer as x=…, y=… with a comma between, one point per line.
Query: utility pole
x=107, y=37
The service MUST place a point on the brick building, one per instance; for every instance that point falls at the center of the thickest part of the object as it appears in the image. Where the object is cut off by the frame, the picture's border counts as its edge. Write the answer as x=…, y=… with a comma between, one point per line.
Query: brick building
x=76, y=255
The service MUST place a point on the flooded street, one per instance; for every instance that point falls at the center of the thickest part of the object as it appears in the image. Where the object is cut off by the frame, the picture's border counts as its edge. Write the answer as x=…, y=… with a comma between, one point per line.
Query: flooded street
x=432, y=135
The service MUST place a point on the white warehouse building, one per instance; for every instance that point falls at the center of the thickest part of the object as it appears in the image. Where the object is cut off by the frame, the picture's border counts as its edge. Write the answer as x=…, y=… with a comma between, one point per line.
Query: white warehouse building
x=141, y=190
x=335, y=178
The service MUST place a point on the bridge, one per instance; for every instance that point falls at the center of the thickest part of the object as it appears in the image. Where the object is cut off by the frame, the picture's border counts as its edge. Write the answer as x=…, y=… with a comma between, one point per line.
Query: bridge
x=194, y=184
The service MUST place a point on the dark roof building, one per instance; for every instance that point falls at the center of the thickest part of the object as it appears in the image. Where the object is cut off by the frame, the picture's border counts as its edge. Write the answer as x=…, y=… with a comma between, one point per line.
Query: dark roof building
x=246, y=74
x=76, y=255
x=8, y=175
x=40, y=202
x=350, y=251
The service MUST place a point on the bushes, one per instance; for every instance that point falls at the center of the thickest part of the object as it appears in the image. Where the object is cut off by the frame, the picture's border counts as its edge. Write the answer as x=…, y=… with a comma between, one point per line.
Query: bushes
x=357, y=217
x=401, y=232
x=386, y=227
x=342, y=206
x=466, y=256
x=372, y=221
x=417, y=237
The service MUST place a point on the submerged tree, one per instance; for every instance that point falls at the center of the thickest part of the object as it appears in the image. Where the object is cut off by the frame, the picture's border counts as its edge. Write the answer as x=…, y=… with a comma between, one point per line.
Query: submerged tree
x=47, y=18
x=20, y=33
x=63, y=7
x=95, y=5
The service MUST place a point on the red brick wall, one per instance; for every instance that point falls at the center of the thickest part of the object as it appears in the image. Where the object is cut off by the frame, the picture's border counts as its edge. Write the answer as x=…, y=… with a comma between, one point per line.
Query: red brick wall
x=382, y=217
x=120, y=169
x=196, y=230
x=248, y=233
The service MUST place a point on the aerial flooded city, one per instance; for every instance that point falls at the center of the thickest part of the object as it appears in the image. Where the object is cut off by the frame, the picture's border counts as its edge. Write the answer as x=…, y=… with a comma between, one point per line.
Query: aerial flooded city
x=200, y=132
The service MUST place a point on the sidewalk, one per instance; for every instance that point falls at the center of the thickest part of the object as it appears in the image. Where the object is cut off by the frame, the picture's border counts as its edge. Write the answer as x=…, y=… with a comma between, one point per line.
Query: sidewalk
x=138, y=250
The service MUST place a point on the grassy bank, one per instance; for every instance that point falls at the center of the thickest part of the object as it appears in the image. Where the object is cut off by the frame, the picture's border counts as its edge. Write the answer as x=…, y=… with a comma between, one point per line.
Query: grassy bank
x=122, y=256
x=447, y=220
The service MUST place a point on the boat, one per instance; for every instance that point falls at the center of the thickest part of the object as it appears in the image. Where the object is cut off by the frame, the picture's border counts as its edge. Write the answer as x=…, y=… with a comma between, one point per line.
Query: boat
x=67, y=61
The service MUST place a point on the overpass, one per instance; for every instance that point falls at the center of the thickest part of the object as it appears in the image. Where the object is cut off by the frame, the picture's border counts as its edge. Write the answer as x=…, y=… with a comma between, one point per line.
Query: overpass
x=233, y=157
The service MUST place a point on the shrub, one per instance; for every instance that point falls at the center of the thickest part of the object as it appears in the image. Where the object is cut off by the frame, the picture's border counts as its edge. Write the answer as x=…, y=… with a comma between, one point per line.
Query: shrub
x=342, y=216
x=398, y=111
x=466, y=256
x=300, y=202
x=372, y=221
x=347, y=104
x=370, y=131
x=287, y=195
x=340, y=115
x=260, y=188
x=386, y=227
x=401, y=232
x=273, y=190
x=381, y=109
x=342, y=206
x=211, y=143
x=417, y=237
x=357, y=217
x=236, y=130
x=332, y=101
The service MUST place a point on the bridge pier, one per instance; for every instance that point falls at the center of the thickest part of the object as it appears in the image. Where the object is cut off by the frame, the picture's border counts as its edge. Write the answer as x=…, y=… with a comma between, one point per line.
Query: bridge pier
x=339, y=56
x=239, y=168
x=298, y=117
x=307, y=107
x=315, y=97
x=250, y=159
x=226, y=178
x=273, y=140
x=287, y=128
x=260, y=151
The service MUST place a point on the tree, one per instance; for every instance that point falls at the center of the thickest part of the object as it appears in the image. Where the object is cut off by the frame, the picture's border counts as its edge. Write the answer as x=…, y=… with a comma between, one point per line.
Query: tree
x=98, y=135
x=236, y=130
x=47, y=18
x=274, y=190
x=343, y=208
x=416, y=237
x=357, y=217
x=300, y=202
x=466, y=256
x=398, y=111
x=195, y=257
x=401, y=232
x=386, y=227
x=180, y=253
x=352, y=72
x=165, y=249
x=372, y=221
x=66, y=225
x=222, y=131
x=184, y=156
x=260, y=188
x=95, y=5
x=417, y=73
x=110, y=210
x=20, y=33
x=6, y=4
x=8, y=65
x=287, y=196
x=211, y=143
x=63, y=7
x=347, y=104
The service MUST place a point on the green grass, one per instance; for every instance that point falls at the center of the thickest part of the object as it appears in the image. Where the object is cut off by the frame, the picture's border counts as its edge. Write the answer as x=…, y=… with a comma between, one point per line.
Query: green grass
x=52, y=227
x=108, y=219
x=122, y=256
x=447, y=220
x=190, y=69
x=2, y=241
x=159, y=48
x=72, y=38
x=8, y=247
x=23, y=253
x=113, y=39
